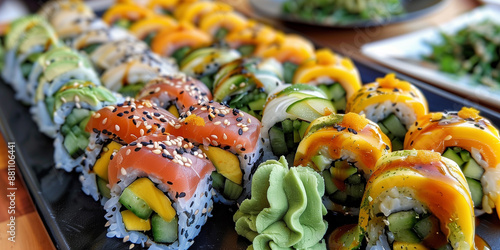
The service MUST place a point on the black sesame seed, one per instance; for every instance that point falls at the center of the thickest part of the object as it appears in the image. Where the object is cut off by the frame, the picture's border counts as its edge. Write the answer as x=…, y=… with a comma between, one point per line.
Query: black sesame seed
x=95, y=130
x=170, y=157
x=169, y=183
x=182, y=194
x=239, y=119
x=120, y=114
x=240, y=131
x=137, y=149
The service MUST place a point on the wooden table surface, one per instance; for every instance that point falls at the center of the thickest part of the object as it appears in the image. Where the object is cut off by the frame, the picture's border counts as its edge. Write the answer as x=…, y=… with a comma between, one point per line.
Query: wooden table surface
x=30, y=231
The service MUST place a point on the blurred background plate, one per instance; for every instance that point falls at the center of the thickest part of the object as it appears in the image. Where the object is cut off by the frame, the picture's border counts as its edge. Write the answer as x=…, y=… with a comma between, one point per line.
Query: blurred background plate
x=412, y=9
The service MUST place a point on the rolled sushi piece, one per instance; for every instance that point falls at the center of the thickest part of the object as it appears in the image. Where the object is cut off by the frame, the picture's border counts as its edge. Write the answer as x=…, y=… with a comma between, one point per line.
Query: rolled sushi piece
x=129, y=75
x=345, y=150
x=203, y=63
x=160, y=192
x=288, y=113
x=88, y=41
x=231, y=140
x=246, y=83
x=193, y=12
x=27, y=38
x=337, y=76
x=219, y=23
x=472, y=142
x=71, y=108
x=253, y=35
x=111, y=128
x=290, y=49
x=177, y=42
x=146, y=29
x=124, y=15
x=50, y=73
x=175, y=93
x=108, y=54
x=70, y=18
x=393, y=104
x=416, y=200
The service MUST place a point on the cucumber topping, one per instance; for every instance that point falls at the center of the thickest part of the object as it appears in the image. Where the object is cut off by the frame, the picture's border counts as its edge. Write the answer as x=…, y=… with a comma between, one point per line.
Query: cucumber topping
x=402, y=220
x=76, y=138
x=103, y=188
x=164, y=231
x=476, y=191
x=286, y=136
x=336, y=94
x=396, y=131
x=246, y=50
x=452, y=155
x=135, y=204
x=232, y=190
x=288, y=71
x=473, y=170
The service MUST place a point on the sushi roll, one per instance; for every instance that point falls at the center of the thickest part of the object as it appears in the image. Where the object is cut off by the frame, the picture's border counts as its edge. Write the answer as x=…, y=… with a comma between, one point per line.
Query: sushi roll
x=253, y=35
x=112, y=127
x=50, y=73
x=345, y=150
x=193, y=12
x=416, y=200
x=231, y=140
x=70, y=18
x=129, y=75
x=88, y=41
x=106, y=55
x=177, y=42
x=335, y=75
x=392, y=103
x=27, y=38
x=246, y=83
x=175, y=93
x=124, y=15
x=203, y=63
x=472, y=142
x=218, y=24
x=291, y=50
x=71, y=107
x=288, y=113
x=146, y=29
x=160, y=192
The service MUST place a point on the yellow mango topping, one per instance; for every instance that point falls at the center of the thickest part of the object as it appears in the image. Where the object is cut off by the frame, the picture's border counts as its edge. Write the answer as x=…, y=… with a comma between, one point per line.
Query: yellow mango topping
x=226, y=163
x=101, y=165
x=354, y=121
x=390, y=81
x=195, y=120
x=468, y=113
x=437, y=116
x=408, y=246
x=173, y=110
x=325, y=57
x=155, y=198
x=134, y=223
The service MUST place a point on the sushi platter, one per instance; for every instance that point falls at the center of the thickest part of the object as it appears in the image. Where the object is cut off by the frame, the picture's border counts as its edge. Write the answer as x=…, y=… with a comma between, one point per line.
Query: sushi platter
x=204, y=122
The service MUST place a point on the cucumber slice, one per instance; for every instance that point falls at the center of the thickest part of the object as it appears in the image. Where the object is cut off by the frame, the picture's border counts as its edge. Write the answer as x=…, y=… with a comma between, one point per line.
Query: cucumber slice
x=296, y=124
x=396, y=144
x=227, y=87
x=452, y=155
x=71, y=143
x=340, y=104
x=135, y=204
x=394, y=125
x=246, y=50
x=473, y=170
x=164, y=231
x=288, y=71
x=278, y=143
x=76, y=130
x=257, y=105
x=383, y=128
x=220, y=34
x=310, y=108
x=354, y=179
x=208, y=81
x=427, y=226
x=217, y=180
x=336, y=92
x=465, y=155
x=180, y=53
x=321, y=162
x=303, y=127
x=232, y=190
x=89, y=49
x=103, y=188
x=329, y=185
x=476, y=191
x=356, y=191
x=131, y=90
x=406, y=235
x=76, y=116
x=65, y=129
x=287, y=126
x=289, y=141
x=338, y=197
x=402, y=221
x=296, y=136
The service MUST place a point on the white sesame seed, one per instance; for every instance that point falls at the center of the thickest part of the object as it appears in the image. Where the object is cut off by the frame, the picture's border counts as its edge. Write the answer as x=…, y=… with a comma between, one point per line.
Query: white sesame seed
x=177, y=126
x=245, y=129
x=215, y=137
x=196, y=212
x=77, y=99
x=110, y=108
x=123, y=171
x=168, y=143
x=217, y=123
x=108, y=223
x=104, y=121
x=239, y=146
x=166, y=152
x=215, y=143
x=137, y=124
x=141, y=132
x=97, y=115
x=128, y=151
x=125, y=239
x=224, y=136
x=131, y=246
x=187, y=164
x=184, y=159
x=157, y=151
x=249, y=120
x=117, y=128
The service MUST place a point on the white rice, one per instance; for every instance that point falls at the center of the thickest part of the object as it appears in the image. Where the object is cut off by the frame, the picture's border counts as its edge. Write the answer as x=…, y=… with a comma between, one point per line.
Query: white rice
x=377, y=112
x=489, y=182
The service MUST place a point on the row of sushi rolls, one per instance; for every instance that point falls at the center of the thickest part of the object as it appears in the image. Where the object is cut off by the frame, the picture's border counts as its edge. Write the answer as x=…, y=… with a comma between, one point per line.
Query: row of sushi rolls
x=166, y=107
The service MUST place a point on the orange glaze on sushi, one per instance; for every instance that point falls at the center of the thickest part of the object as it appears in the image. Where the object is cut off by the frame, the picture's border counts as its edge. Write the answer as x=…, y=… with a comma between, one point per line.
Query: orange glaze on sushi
x=128, y=121
x=167, y=41
x=218, y=125
x=231, y=21
x=437, y=182
x=389, y=89
x=181, y=89
x=328, y=64
x=287, y=48
x=254, y=33
x=337, y=133
x=129, y=11
x=193, y=12
x=142, y=28
x=175, y=162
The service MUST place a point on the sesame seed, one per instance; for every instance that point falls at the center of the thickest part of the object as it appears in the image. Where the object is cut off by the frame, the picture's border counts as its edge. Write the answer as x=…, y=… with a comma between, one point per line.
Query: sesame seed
x=104, y=121
x=245, y=129
x=131, y=246
x=215, y=143
x=117, y=128
x=239, y=146
x=224, y=136
x=128, y=152
x=240, y=131
x=215, y=137
x=97, y=115
x=177, y=126
x=156, y=151
x=249, y=120
x=123, y=171
x=217, y=123
x=141, y=132
x=108, y=223
x=125, y=239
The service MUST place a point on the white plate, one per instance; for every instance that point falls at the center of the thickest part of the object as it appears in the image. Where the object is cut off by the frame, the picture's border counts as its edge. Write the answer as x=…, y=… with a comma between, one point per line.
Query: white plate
x=404, y=53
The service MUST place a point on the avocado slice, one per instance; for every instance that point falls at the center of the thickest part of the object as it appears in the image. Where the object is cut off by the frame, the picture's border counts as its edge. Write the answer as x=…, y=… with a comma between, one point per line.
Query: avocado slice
x=226, y=163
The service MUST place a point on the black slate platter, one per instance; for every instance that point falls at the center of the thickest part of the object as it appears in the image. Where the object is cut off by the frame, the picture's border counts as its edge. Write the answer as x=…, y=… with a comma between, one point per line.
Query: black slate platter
x=76, y=221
